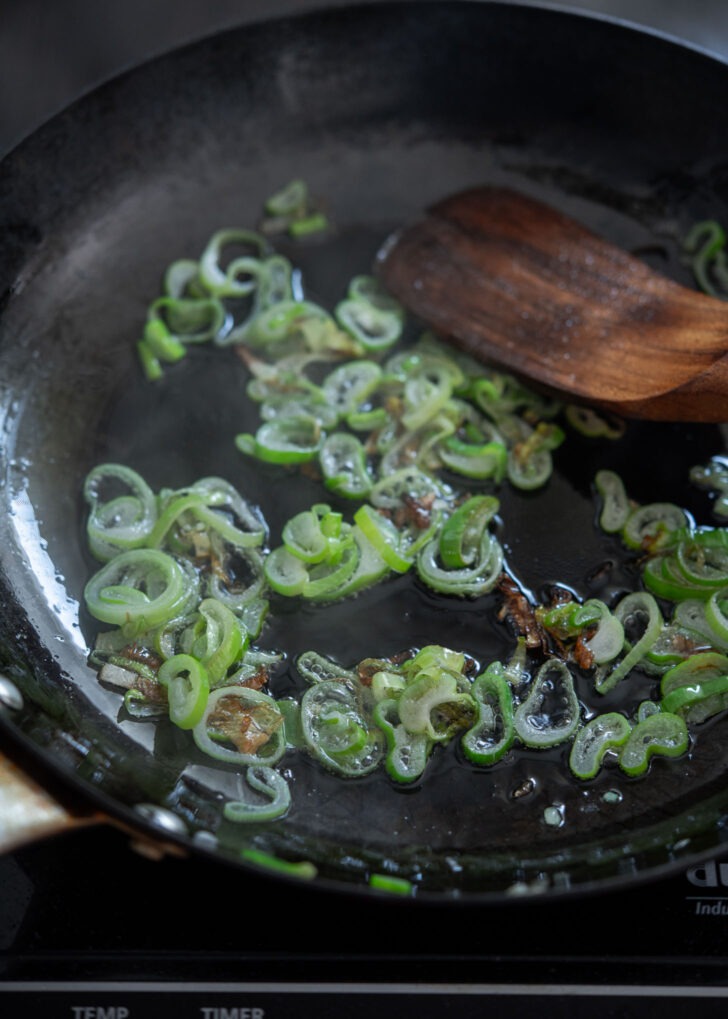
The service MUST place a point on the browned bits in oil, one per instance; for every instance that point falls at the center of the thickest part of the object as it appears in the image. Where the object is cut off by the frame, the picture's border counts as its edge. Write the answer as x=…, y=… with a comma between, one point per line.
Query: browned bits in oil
x=415, y=510
x=258, y=680
x=247, y=727
x=143, y=655
x=517, y=610
x=150, y=689
x=583, y=657
x=524, y=789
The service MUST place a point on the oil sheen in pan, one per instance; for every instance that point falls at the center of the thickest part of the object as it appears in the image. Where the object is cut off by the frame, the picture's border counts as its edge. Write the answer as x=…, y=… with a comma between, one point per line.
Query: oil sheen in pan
x=183, y=428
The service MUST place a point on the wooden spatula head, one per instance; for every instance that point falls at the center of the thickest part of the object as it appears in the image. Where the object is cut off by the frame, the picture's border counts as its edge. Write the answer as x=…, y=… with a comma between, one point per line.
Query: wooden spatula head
x=519, y=284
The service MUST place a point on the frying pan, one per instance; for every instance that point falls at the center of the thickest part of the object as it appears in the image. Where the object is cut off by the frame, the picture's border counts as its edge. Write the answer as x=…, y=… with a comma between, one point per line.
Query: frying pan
x=381, y=109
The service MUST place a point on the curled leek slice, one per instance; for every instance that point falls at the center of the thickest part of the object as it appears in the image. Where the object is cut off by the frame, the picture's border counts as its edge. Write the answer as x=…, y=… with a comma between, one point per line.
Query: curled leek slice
x=274, y=801
x=641, y=619
x=313, y=535
x=347, y=387
x=239, y=277
x=699, y=702
x=336, y=730
x=479, y=460
x=469, y=581
x=594, y=740
x=369, y=289
x=530, y=464
x=663, y=734
x=283, y=320
x=407, y=752
x=286, y=440
x=145, y=587
x=436, y=699
x=219, y=639
x=215, y=504
x=702, y=558
x=494, y=731
x=188, y=689
x=182, y=320
x=385, y=538
x=615, y=505
x=607, y=641
x=285, y=573
x=342, y=458
x=315, y=668
x=376, y=329
x=550, y=714
x=696, y=688
x=122, y=521
x=653, y=525
x=462, y=533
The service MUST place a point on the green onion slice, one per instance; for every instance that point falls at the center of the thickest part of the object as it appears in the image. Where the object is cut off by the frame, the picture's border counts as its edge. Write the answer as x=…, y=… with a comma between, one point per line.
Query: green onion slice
x=663, y=734
x=474, y=580
x=336, y=731
x=699, y=701
x=376, y=329
x=494, y=731
x=342, y=458
x=123, y=521
x=462, y=532
x=550, y=714
x=142, y=586
x=636, y=612
x=653, y=525
x=615, y=504
x=407, y=752
x=593, y=741
x=239, y=277
x=219, y=639
x=286, y=440
x=275, y=793
x=188, y=689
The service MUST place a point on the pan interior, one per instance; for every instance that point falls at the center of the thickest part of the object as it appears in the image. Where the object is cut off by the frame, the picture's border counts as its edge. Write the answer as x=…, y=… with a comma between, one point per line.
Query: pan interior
x=84, y=263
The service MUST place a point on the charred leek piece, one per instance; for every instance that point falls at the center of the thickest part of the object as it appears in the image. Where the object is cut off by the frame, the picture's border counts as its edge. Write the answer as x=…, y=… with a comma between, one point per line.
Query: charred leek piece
x=241, y=726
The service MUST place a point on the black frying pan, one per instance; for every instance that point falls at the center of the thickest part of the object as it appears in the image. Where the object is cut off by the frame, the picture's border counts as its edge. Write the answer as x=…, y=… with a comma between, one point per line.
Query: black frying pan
x=382, y=110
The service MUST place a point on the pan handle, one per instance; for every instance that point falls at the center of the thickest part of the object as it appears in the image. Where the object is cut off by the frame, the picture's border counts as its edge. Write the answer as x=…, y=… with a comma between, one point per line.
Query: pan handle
x=28, y=812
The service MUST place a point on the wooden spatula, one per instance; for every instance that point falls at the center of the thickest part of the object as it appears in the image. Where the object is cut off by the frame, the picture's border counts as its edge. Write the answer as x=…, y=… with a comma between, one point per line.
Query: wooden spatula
x=518, y=284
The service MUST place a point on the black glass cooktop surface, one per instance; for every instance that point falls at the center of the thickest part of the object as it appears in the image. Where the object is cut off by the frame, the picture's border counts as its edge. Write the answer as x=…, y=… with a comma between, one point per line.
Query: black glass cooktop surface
x=91, y=929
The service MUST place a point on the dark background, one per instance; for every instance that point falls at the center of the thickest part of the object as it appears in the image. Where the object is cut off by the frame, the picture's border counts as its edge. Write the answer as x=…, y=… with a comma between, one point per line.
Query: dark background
x=52, y=51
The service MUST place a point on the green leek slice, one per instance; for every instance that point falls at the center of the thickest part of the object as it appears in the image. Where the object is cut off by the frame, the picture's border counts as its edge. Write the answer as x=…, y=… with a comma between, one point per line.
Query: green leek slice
x=593, y=741
x=662, y=734
x=550, y=715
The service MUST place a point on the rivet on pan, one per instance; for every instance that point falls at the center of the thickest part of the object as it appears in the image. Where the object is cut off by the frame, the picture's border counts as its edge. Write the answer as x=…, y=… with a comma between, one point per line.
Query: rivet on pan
x=10, y=697
x=162, y=818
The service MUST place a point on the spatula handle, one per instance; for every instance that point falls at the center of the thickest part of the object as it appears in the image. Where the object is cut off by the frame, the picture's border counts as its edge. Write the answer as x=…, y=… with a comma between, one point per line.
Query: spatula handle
x=28, y=812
